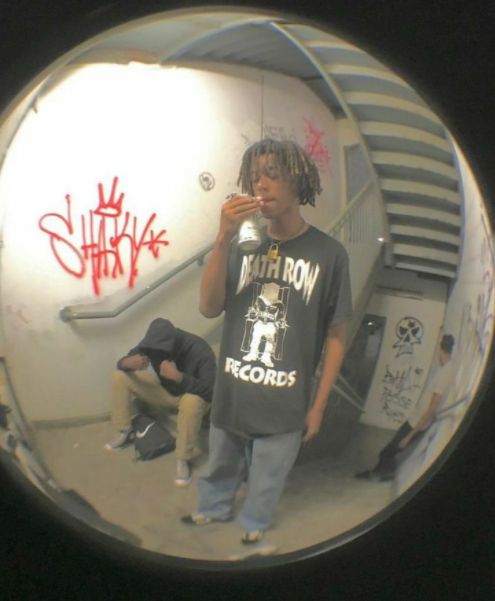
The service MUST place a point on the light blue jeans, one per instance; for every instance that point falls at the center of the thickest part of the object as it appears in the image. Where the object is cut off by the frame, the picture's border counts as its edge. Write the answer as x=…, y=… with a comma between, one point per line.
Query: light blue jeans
x=271, y=459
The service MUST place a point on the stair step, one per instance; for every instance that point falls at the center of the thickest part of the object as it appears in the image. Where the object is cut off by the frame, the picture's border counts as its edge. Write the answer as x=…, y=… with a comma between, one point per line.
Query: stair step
x=389, y=109
x=426, y=252
x=425, y=233
x=401, y=138
x=405, y=188
x=399, y=165
x=434, y=270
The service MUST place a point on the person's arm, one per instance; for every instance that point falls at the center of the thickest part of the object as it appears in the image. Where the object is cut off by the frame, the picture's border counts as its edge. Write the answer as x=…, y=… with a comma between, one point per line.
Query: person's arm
x=133, y=361
x=182, y=382
x=423, y=420
x=213, y=287
x=169, y=371
x=332, y=361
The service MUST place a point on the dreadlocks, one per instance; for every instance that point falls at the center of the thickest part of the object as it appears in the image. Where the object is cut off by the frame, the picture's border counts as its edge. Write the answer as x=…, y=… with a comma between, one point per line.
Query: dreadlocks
x=290, y=156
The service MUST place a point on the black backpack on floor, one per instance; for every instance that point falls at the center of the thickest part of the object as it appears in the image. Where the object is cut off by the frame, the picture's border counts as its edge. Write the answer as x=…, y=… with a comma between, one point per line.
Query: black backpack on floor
x=151, y=439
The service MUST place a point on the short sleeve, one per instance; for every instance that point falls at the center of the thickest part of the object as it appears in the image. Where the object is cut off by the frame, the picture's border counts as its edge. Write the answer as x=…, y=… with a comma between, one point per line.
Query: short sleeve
x=339, y=308
x=231, y=273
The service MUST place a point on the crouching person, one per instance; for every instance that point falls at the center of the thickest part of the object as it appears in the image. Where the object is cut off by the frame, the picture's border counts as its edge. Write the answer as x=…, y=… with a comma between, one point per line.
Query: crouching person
x=169, y=368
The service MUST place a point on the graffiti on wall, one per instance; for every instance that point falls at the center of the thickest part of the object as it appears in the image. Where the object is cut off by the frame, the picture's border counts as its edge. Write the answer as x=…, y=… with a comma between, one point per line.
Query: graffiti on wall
x=106, y=242
x=403, y=378
x=276, y=132
x=314, y=141
x=474, y=338
x=483, y=312
x=477, y=322
x=315, y=145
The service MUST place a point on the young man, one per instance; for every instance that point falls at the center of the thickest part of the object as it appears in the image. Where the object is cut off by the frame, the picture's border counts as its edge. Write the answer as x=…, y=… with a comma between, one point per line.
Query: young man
x=182, y=376
x=424, y=412
x=283, y=303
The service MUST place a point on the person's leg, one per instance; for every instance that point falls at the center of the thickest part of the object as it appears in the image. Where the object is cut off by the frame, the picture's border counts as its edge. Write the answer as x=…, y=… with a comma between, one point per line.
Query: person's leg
x=386, y=457
x=141, y=384
x=271, y=461
x=192, y=408
x=190, y=416
x=125, y=387
x=226, y=462
x=121, y=401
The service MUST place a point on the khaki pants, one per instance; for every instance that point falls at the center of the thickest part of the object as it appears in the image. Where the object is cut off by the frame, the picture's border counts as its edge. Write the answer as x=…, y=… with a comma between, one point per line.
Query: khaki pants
x=146, y=386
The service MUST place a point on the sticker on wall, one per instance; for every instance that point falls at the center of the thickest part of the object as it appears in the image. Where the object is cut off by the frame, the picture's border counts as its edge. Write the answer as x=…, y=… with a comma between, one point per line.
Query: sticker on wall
x=409, y=332
x=206, y=181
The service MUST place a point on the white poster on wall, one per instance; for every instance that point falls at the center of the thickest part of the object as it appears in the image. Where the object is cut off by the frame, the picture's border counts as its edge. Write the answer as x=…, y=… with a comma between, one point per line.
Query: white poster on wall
x=408, y=349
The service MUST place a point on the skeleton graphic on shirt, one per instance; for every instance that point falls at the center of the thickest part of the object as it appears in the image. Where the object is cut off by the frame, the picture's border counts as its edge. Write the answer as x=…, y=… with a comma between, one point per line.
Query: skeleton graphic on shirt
x=266, y=324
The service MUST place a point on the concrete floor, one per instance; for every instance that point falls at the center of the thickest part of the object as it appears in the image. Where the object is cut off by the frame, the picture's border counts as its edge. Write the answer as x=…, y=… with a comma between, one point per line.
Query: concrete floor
x=321, y=501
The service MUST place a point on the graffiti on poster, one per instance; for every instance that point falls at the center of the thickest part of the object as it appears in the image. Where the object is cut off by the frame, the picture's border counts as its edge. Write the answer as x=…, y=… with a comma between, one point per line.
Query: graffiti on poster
x=409, y=331
x=403, y=379
x=400, y=390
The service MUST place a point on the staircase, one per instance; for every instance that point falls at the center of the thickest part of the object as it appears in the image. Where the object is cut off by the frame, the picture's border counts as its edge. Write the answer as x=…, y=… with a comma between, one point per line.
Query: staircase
x=407, y=147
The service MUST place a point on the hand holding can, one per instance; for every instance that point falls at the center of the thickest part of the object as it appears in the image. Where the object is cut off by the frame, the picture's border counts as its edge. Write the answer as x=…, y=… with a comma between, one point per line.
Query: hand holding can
x=238, y=209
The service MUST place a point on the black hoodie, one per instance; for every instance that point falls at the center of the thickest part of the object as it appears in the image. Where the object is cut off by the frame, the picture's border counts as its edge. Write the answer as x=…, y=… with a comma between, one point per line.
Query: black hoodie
x=192, y=355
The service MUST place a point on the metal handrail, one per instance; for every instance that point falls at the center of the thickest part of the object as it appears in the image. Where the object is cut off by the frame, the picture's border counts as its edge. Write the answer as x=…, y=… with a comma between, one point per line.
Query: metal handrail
x=446, y=410
x=346, y=213
x=71, y=312
x=350, y=390
x=346, y=397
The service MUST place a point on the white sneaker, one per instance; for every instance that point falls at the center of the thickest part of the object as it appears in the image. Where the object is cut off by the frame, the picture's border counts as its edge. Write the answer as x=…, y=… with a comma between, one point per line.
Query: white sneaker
x=124, y=439
x=196, y=519
x=259, y=550
x=183, y=475
x=251, y=537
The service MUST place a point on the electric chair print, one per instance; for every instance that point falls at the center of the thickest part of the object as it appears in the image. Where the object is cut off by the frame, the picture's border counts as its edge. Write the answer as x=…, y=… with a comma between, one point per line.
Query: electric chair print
x=266, y=324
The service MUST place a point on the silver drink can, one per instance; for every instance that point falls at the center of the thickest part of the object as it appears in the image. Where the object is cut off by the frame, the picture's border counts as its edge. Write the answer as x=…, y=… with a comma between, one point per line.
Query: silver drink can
x=249, y=237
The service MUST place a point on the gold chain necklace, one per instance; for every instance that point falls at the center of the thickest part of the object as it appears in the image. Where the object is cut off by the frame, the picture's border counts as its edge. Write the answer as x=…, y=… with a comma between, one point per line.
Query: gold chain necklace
x=272, y=252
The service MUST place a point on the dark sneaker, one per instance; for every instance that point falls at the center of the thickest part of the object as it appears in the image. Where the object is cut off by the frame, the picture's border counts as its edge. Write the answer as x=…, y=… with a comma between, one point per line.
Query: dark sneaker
x=375, y=476
x=366, y=475
x=183, y=475
x=123, y=440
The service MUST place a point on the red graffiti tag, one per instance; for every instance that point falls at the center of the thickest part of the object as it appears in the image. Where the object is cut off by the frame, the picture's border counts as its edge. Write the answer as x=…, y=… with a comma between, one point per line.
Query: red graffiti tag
x=111, y=241
x=315, y=146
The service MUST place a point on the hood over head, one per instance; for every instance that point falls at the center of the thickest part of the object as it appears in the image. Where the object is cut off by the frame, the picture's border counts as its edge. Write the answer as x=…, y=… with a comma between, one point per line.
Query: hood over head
x=160, y=336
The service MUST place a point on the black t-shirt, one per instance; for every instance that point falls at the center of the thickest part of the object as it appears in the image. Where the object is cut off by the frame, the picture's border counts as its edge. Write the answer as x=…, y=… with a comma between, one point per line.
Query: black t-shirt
x=277, y=314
